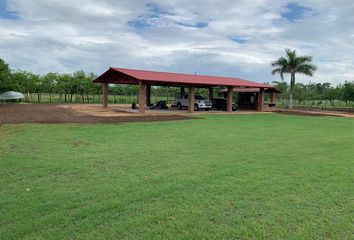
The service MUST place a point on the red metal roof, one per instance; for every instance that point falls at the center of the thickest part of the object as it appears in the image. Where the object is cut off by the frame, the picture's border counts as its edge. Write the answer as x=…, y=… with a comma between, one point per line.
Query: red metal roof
x=133, y=76
x=251, y=90
x=243, y=90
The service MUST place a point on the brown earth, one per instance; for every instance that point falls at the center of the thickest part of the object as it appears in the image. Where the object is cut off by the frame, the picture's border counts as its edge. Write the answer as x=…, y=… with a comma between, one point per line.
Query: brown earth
x=318, y=109
x=314, y=113
x=61, y=113
x=94, y=113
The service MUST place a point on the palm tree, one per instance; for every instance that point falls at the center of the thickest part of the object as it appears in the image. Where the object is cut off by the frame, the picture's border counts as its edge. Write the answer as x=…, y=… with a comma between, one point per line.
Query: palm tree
x=293, y=64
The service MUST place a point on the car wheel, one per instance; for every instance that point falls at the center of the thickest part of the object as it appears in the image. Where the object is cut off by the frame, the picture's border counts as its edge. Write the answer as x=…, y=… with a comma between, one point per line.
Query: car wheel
x=196, y=107
x=179, y=106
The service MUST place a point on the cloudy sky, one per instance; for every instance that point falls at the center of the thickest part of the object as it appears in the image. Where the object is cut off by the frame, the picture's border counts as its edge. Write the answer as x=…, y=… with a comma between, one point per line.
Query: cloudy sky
x=229, y=38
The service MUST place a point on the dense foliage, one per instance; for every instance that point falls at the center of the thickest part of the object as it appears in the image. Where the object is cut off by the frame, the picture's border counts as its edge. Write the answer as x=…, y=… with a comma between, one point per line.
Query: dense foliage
x=318, y=92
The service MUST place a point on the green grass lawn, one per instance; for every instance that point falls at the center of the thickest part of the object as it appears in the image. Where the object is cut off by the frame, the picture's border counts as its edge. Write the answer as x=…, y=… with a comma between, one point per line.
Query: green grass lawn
x=222, y=177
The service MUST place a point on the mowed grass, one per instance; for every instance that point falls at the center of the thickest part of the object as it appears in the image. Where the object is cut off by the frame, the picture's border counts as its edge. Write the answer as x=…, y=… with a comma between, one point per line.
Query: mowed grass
x=257, y=176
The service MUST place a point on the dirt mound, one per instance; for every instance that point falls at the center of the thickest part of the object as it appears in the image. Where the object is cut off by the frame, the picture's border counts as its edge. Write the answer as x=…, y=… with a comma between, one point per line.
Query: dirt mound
x=56, y=113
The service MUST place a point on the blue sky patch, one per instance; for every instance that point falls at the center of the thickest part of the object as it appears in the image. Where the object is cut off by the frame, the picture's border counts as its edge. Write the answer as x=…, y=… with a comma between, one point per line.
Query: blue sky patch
x=196, y=25
x=294, y=12
x=141, y=22
x=238, y=39
x=5, y=13
x=151, y=18
x=156, y=16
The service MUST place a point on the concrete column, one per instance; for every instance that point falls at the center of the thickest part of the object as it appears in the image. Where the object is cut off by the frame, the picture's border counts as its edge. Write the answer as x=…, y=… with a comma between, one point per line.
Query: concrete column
x=260, y=100
x=230, y=90
x=191, y=99
x=273, y=97
x=142, y=96
x=181, y=92
x=105, y=95
x=211, y=94
x=148, y=94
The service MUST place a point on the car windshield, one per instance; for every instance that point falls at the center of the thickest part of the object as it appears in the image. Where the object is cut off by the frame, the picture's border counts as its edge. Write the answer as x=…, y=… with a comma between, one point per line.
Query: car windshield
x=199, y=97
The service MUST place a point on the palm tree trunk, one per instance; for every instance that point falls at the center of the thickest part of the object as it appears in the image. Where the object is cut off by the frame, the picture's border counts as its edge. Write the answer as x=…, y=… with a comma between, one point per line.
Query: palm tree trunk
x=291, y=90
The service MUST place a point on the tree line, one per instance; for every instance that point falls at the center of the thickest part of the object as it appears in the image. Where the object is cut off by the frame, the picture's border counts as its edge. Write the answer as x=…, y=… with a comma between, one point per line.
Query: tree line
x=68, y=87
x=79, y=87
x=318, y=93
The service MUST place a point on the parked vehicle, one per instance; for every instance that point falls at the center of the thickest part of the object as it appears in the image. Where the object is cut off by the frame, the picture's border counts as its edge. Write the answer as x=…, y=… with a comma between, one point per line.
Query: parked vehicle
x=200, y=103
x=221, y=104
x=159, y=105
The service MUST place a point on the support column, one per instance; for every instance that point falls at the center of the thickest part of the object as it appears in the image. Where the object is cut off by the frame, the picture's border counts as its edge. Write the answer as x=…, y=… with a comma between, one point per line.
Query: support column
x=142, y=97
x=273, y=97
x=211, y=94
x=105, y=95
x=260, y=100
x=191, y=99
x=230, y=90
x=181, y=92
x=148, y=94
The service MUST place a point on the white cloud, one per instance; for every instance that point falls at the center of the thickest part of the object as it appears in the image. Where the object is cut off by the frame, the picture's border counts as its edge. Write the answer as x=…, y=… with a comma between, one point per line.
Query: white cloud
x=186, y=36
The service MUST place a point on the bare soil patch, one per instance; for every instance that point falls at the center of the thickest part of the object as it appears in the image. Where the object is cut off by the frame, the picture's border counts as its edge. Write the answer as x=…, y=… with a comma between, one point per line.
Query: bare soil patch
x=318, y=109
x=59, y=113
x=314, y=113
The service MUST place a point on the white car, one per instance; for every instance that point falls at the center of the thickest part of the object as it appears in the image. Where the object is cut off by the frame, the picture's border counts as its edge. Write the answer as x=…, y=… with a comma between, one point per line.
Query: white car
x=200, y=103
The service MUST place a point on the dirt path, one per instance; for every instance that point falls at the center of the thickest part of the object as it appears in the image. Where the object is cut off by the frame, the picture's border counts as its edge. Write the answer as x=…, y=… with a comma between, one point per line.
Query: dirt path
x=314, y=113
x=57, y=113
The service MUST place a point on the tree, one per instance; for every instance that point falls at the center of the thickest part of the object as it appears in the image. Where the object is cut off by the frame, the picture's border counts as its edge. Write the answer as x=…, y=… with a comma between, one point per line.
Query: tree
x=24, y=82
x=5, y=81
x=49, y=82
x=300, y=92
x=348, y=92
x=293, y=64
x=330, y=93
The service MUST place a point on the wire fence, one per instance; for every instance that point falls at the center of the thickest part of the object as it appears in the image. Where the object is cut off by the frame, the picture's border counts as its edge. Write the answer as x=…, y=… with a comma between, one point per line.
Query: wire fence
x=129, y=99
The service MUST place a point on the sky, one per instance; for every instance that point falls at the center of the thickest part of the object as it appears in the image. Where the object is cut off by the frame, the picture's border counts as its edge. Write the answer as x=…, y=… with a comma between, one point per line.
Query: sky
x=237, y=38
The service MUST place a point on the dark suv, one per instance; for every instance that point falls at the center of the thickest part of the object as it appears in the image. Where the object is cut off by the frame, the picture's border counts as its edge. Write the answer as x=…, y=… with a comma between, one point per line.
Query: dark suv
x=221, y=104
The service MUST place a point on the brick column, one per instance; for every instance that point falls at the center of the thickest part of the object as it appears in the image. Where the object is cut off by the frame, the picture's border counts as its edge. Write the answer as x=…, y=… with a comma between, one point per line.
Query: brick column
x=181, y=92
x=142, y=97
x=230, y=90
x=105, y=95
x=260, y=100
x=148, y=94
x=273, y=97
x=211, y=93
x=191, y=99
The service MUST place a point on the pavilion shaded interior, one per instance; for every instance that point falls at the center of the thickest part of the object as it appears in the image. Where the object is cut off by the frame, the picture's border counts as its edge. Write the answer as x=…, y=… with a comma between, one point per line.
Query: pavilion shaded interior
x=146, y=79
x=247, y=97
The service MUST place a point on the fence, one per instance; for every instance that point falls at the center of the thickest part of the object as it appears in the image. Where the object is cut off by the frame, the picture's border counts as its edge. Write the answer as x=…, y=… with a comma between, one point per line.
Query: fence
x=91, y=98
x=317, y=104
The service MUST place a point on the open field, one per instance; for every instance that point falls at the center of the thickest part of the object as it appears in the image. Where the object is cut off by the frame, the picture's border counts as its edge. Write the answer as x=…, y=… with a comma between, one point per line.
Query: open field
x=261, y=176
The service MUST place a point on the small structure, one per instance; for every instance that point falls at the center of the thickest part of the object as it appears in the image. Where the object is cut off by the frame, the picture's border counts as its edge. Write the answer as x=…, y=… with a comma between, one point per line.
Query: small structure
x=247, y=97
x=11, y=95
x=146, y=79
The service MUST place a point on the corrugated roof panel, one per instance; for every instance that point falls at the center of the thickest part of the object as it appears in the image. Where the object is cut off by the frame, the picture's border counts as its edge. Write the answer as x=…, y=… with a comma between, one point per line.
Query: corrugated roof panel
x=180, y=78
